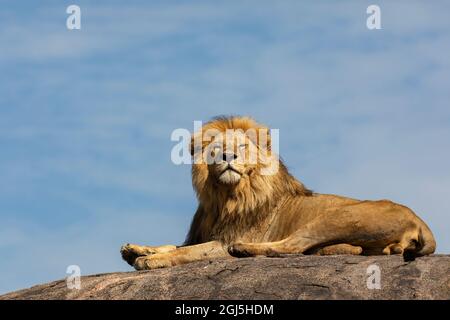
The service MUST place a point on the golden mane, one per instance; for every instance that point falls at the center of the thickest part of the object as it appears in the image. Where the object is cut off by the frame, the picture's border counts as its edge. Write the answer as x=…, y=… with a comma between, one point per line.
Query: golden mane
x=224, y=212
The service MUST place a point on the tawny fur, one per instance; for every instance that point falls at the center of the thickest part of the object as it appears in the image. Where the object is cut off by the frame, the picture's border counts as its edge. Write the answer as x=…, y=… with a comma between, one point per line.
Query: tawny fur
x=277, y=214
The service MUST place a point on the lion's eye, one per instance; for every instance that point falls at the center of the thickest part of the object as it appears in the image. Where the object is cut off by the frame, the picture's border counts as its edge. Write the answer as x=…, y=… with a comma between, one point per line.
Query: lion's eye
x=242, y=146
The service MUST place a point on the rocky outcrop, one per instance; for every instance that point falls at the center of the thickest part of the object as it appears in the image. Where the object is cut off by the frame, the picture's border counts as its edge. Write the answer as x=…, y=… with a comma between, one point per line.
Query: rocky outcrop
x=289, y=277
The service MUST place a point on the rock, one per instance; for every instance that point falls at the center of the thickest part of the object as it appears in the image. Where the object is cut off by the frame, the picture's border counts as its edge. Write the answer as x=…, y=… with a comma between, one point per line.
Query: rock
x=289, y=277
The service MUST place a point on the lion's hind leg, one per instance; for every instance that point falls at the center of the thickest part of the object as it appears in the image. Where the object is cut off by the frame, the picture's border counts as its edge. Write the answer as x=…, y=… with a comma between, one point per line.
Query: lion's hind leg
x=393, y=248
x=407, y=245
x=335, y=249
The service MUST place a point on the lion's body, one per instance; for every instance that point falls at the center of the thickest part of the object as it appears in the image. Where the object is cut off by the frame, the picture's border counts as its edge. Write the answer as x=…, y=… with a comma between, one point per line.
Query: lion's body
x=371, y=225
x=275, y=214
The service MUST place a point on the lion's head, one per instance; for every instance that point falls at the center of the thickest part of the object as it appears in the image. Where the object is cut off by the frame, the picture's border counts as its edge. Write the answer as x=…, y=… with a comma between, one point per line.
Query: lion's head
x=236, y=175
x=232, y=149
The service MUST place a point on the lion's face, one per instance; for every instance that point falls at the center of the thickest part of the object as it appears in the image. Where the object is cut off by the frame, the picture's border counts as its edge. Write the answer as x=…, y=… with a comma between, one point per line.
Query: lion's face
x=234, y=156
x=231, y=152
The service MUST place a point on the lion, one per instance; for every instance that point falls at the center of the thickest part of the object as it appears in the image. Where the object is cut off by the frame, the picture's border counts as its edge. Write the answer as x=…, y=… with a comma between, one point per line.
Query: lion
x=247, y=210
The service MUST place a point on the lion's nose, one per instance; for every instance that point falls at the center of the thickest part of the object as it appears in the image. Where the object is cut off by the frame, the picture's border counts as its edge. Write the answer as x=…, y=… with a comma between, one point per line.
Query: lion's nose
x=229, y=156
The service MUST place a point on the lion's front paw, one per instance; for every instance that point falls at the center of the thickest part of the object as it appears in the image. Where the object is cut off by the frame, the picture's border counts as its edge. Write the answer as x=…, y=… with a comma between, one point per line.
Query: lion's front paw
x=239, y=250
x=152, y=262
x=129, y=253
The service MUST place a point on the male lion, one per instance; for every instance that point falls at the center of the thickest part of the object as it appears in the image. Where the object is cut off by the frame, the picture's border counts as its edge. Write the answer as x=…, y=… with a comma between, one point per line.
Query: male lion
x=243, y=211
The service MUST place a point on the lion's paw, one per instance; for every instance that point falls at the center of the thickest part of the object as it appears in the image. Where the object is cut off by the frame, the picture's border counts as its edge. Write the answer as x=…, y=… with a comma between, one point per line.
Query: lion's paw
x=152, y=262
x=239, y=250
x=129, y=253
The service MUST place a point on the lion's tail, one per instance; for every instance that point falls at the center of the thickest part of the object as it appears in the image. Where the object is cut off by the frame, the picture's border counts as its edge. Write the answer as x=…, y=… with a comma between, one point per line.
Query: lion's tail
x=427, y=244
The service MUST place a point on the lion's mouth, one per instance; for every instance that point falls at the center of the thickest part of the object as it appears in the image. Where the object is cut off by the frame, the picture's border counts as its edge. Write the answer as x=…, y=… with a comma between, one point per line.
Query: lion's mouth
x=230, y=168
x=230, y=176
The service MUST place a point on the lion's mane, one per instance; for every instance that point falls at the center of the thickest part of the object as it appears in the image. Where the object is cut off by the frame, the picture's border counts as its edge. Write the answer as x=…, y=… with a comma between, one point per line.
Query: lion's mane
x=225, y=212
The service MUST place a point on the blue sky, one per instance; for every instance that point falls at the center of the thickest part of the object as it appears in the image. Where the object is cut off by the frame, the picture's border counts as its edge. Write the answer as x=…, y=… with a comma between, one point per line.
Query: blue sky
x=86, y=116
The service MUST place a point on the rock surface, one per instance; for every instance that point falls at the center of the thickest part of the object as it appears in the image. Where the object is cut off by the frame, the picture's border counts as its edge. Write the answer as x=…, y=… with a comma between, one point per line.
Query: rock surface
x=290, y=277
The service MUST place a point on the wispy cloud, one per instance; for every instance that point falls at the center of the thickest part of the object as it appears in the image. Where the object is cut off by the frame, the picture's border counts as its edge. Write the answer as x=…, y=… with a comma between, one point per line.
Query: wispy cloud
x=86, y=116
